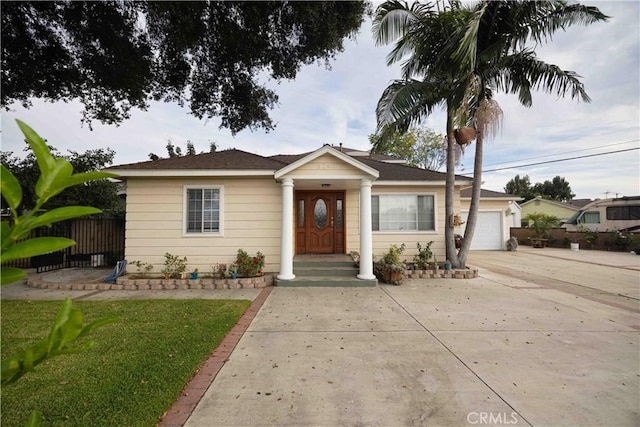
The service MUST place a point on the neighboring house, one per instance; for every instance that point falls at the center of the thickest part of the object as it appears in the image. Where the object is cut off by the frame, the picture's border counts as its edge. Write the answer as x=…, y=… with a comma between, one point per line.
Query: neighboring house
x=331, y=201
x=562, y=210
x=497, y=213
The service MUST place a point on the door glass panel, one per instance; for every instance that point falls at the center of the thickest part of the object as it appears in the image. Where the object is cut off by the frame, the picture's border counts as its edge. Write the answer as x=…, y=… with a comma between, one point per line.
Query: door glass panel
x=300, y=213
x=339, y=212
x=320, y=213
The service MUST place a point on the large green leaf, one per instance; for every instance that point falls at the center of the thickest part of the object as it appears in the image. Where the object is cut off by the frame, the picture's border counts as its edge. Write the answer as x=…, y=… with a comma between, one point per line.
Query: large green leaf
x=35, y=246
x=10, y=187
x=80, y=178
x=5, y=234
x=61, y=214
x=10, y=275
x=39, y=147
x=53, y=182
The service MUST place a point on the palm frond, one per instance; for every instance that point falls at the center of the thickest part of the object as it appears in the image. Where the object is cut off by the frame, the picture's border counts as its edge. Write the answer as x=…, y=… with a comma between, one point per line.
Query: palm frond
x=394, y=18
x=523, y=71
x=406, y=102
x=467, y=45
x=539, y=20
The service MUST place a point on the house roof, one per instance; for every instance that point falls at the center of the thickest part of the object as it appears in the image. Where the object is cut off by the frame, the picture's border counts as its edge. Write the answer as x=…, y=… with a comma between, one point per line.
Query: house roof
x=465, y=193
x=227, y=160
x=232, y=161
x=579, y=203
x=574, y=205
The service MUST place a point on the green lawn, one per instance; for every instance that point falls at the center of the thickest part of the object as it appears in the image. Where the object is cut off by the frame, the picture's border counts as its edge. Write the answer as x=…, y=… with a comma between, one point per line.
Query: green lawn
x=134, y=373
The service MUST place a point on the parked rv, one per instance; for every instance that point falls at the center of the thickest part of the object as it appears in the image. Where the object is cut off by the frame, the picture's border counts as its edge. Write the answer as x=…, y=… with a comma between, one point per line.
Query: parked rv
x=621, y=214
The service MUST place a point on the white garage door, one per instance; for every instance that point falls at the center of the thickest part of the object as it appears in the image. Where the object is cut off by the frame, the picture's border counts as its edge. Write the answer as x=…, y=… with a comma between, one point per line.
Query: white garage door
x=488, y=234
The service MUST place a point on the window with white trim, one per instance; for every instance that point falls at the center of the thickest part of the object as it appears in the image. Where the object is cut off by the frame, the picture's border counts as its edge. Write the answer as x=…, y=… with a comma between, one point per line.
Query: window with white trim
x=402, y=212
x=203, y=208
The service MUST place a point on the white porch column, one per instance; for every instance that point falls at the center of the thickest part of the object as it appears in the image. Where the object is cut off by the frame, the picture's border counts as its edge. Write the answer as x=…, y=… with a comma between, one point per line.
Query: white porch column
x=366, y=242
x=286, y=241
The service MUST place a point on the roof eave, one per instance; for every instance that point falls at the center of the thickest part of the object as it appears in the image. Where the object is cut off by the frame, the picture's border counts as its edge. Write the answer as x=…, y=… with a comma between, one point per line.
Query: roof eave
x=142, y=173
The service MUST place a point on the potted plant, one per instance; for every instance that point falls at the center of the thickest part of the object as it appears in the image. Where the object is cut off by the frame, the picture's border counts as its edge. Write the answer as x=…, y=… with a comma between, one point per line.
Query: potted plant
x=447, y=265
x=355, y=256
x=233, y=271
x=390, y=268
x=421, y=259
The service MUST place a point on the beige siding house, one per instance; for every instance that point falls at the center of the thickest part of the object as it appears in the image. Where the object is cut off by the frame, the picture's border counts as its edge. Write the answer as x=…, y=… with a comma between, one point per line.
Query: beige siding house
x=330, y=201
x=562, y=210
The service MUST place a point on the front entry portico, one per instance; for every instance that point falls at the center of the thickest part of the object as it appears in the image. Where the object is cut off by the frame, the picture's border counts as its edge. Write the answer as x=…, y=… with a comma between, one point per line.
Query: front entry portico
x=314, y=219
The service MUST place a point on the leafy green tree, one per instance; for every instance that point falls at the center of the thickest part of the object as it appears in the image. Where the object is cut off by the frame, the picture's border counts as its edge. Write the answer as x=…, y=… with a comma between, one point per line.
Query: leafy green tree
x=421, y=147
x=520, y=187
x=101, y=193
x=557, y=189
x=113, y=56
x=456, y=56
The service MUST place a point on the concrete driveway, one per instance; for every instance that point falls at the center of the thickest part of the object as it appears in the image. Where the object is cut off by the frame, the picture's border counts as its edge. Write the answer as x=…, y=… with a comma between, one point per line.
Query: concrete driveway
x=541, y=338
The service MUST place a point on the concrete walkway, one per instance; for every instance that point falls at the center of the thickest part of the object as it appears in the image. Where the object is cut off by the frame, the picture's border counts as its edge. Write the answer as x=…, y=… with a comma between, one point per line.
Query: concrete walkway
x=545, y=337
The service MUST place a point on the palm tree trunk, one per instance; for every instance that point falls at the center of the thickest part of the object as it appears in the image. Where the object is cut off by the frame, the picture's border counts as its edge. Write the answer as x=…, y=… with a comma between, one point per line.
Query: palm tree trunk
x=449, y=235
x=475, y=201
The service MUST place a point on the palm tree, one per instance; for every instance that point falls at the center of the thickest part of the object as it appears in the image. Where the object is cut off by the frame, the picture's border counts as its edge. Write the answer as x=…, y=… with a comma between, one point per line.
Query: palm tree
x=457, y=58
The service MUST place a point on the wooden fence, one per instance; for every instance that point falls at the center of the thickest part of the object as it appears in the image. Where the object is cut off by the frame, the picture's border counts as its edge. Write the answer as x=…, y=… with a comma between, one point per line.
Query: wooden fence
x=561, y=238
x=99, y=242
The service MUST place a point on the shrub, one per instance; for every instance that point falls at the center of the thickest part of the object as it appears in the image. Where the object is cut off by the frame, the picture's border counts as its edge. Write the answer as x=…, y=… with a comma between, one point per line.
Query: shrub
x=174, y=266
x=421, y=260
x=143, y=267
x=248, y=266
x=218, y=271
x=623, y=240
x=590, y=236
x=389, y=268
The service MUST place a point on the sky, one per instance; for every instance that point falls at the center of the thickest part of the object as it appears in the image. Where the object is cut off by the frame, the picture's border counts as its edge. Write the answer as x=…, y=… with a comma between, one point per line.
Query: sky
x=337, y=105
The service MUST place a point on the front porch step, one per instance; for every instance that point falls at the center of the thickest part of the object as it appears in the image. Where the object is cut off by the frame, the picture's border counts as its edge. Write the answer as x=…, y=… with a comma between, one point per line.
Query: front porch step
x=325, y=271
x=350, y=271
x=326, y=281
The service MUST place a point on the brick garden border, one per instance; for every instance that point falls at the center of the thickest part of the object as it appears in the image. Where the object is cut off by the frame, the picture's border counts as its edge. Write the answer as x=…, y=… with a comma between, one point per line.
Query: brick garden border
x=466, y=273
x=195, y=389
x=124, y=283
